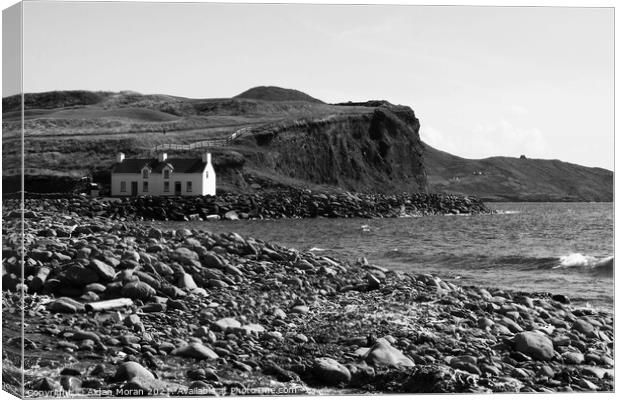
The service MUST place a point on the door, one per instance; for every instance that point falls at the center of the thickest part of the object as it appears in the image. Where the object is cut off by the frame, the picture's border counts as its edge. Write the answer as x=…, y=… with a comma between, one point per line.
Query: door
x=134, y=188
x=177, y=188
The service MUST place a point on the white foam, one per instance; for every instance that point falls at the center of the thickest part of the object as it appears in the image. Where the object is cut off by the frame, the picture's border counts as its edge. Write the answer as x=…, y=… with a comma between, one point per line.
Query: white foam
x=575, y=260
x=316, y=249
x=580, y=260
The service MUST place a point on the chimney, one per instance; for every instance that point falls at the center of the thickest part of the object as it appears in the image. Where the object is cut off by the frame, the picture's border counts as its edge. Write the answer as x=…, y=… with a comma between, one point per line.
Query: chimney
x=162, y=157
x=206, y=157
x=120, y=157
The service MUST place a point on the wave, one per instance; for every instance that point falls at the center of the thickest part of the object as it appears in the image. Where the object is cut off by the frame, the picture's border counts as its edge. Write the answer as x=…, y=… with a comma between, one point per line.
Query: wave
x=571, y=263
x=317, y=249
x=600, y=266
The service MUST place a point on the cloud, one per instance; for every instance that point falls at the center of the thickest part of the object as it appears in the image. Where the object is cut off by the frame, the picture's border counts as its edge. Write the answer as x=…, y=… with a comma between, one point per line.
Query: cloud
x=437, y=139
x=519, y=110
x=503, y=138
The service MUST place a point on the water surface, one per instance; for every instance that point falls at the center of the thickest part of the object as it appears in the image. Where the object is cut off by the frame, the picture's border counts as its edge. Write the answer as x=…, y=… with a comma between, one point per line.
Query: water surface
x=536, y=247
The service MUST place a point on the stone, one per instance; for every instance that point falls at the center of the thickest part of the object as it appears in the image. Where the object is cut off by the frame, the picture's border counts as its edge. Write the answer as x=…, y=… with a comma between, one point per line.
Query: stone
x=586, y=384
x=560, y=298
x=131, y=255
x=226, y=324
x=138, y=290
x=196, y=350
x=106, y=272
x=65, y=305
x=253, y=328
x=372, y=281
x=573, y=357
x=382, y=353
x=41, y=255
x=211, y=260
x=186, y=281
x=535, y=345
x=130, y=370
x=155, y=233
x=163, y=269
x=300, y=309
x=485, y=323
x=547, y=371
x=583, y=326
x=331, y=371
x=79, y=275
x=185, y=255
x=231, y=215
x=95, y=288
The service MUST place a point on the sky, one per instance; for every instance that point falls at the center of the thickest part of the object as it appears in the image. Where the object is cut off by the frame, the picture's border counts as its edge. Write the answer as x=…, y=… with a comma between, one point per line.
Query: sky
x=484, y=81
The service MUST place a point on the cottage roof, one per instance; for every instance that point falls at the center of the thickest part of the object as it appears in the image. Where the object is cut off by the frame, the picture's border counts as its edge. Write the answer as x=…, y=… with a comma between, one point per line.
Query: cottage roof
x=179, y=165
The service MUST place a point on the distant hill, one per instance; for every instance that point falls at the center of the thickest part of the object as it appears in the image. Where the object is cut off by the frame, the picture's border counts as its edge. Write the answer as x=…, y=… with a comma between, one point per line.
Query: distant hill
x=274, y=93
x=516, y=179
x=290, y=139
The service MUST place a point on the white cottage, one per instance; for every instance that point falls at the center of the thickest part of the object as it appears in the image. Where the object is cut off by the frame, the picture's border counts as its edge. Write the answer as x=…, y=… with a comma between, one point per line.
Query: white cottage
x=163, y=176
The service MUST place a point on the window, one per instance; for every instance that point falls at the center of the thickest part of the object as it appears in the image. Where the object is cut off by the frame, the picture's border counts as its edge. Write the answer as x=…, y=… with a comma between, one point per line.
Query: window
x=189, y=186
x=145, y=186
x=145, y=173
x=123, y=186
x=166, y=174
x=166, y=186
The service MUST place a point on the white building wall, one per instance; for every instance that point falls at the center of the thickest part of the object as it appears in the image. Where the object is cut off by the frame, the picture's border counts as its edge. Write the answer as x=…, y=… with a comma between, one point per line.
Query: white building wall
x=209, y=181
x=200, y=184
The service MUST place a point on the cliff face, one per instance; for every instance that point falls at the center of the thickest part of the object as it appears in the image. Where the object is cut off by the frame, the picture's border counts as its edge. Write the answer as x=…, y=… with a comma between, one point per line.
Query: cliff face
x=379, y=151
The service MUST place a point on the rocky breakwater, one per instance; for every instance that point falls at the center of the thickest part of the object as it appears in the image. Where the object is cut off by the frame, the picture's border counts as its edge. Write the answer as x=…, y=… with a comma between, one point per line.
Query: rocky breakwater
x=263, y=205
x=117, y=308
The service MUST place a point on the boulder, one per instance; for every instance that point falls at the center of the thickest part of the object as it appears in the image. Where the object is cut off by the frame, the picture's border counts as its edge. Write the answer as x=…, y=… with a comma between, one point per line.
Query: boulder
x=106, y=272
x=382, y=353
x=211, y=260
x=535, y=345
x=130, y=370
x=185, y=255
x=138, y=290
x=573, y=357
x=80, y=276
x=196, y=350
x=583, y=326
x=330, y=371
x=186, y=281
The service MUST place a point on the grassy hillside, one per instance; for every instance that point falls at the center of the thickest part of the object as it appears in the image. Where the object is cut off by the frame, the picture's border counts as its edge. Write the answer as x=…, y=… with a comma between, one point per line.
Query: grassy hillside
x=296, y=140
x=273, y=93
x=516, y=179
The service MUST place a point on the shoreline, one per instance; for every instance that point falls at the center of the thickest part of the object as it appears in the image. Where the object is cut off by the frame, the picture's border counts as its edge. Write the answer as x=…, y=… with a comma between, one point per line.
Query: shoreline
x=220, y=311
x=290, y=203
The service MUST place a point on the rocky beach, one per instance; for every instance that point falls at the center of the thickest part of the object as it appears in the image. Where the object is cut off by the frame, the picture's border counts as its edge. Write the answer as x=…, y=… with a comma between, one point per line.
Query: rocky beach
x=115, y=307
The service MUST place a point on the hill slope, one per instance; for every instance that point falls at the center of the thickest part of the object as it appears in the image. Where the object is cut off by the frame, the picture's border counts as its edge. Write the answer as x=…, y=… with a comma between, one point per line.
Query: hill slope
x=274, y=93
x=291, y=139
x=516, y=179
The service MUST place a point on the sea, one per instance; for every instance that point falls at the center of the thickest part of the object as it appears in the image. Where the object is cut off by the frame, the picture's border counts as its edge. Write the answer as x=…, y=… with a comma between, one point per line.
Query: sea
x=558, y=248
